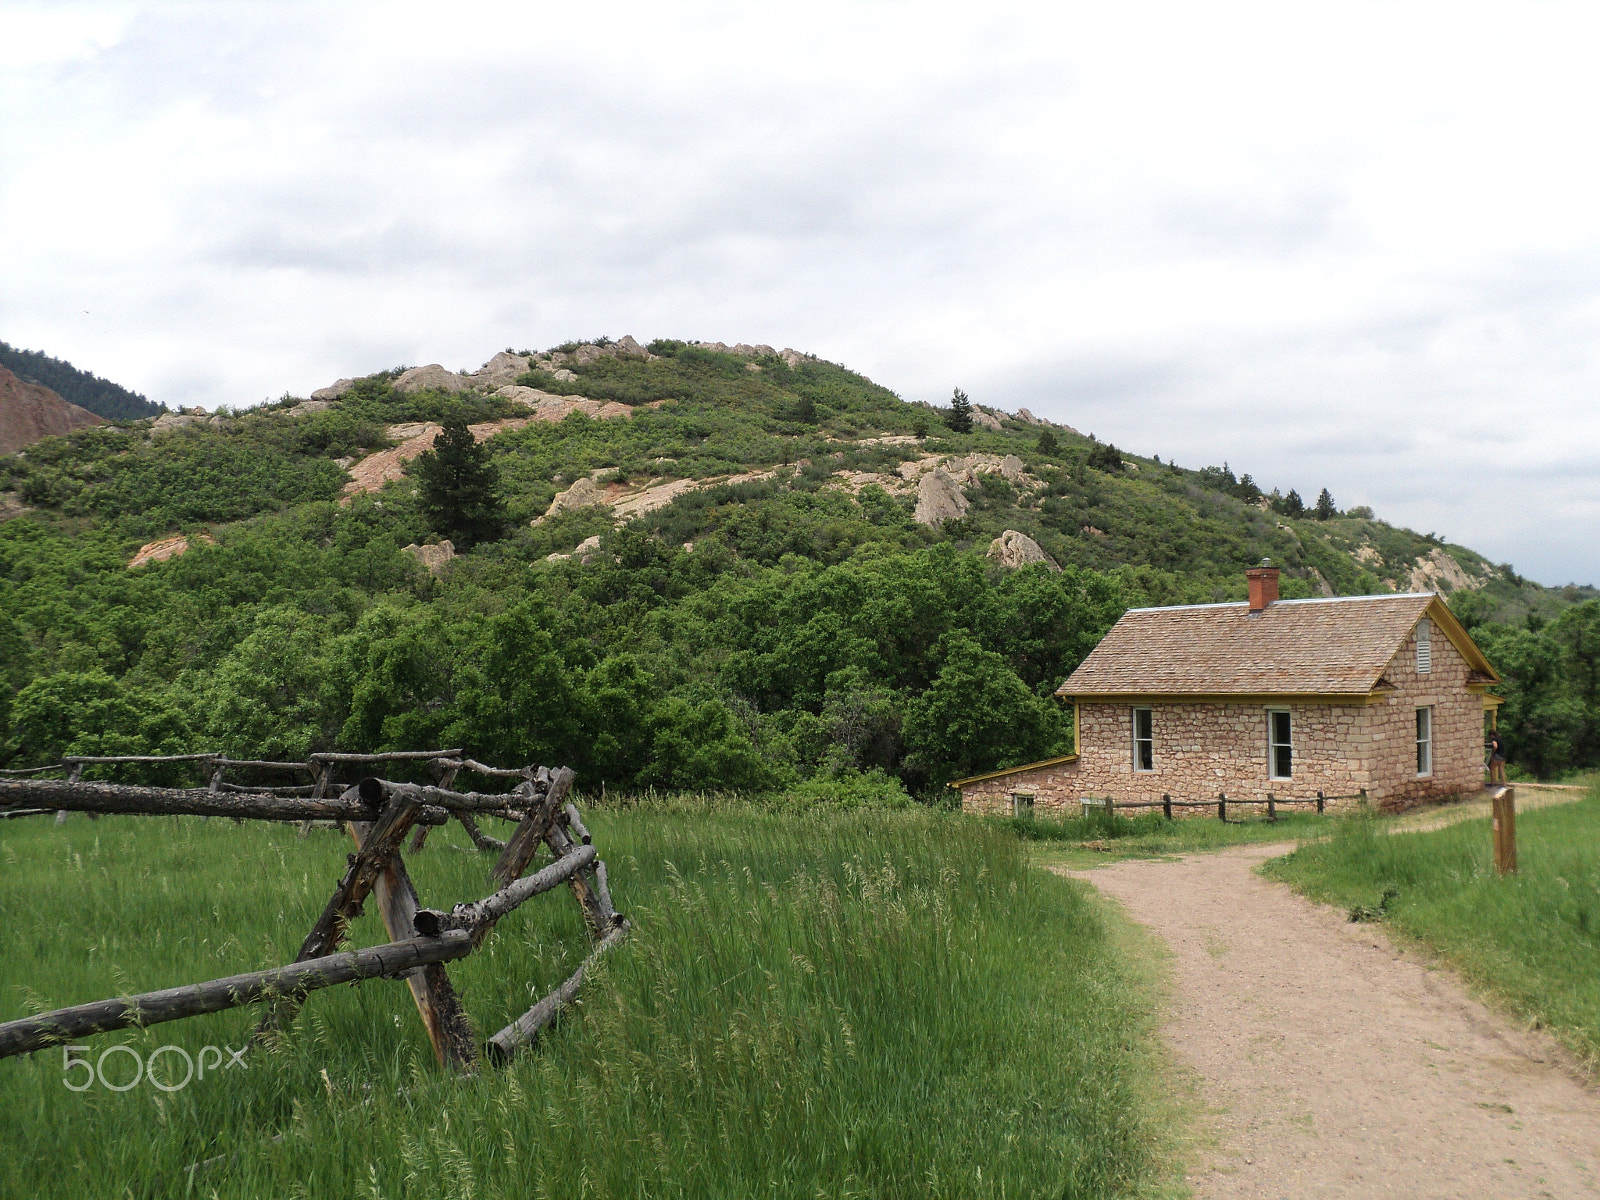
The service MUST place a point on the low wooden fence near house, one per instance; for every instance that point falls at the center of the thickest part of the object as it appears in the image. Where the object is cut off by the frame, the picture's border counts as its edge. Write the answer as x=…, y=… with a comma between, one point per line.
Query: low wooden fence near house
x=1221, y=802
x=378, y=813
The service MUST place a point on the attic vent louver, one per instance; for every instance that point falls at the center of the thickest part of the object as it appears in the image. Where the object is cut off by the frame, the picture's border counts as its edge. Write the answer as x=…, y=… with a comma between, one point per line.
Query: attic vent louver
x=1424, y=646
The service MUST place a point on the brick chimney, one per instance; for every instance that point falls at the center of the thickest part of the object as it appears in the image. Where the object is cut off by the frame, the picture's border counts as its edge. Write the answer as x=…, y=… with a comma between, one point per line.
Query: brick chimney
x=1263, y=585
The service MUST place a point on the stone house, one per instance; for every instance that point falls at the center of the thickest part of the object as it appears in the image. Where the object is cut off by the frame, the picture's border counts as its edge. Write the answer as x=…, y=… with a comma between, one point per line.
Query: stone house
x=1386, y=694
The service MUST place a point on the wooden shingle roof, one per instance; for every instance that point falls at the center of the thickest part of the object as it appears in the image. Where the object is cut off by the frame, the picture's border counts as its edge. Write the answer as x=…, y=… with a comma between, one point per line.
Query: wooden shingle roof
x=1326, y=647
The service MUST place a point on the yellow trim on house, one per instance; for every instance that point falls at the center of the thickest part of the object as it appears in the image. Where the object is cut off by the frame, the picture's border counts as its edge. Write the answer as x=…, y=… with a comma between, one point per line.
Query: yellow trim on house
x=1048, y=762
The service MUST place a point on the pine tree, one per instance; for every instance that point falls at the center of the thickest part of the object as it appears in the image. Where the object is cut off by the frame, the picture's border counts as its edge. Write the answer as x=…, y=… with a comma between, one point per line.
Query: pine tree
x=456, y=485
x=1292, y=505
x=1325, y=506
x=959, y=418
x=1048, y=446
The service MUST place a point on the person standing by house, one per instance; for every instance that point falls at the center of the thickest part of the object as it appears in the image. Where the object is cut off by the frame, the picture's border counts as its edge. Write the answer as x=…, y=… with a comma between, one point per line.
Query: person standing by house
x=1497, y=757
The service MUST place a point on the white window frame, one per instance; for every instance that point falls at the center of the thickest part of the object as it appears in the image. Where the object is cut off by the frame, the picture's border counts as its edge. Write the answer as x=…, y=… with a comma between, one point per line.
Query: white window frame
x=1149, y=740
x=1424, y=741
x=1424, y=646
x=1273, y=743
x=1022, y=804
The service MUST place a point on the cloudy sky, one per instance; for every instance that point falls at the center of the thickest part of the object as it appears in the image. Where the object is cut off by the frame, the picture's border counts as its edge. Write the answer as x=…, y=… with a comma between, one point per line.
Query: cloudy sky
x=1346, y=245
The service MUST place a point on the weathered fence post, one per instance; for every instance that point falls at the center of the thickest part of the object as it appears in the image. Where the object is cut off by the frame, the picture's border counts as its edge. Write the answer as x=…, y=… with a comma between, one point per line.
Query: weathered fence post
x=1166, y=806
x=1222, y=806
x=1363, y=797
x=1319, y=804
x=1272, y=808
x=1505, y=831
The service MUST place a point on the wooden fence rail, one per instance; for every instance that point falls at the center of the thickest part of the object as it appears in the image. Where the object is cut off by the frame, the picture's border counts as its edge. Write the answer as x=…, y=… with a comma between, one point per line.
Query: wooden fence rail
x=1221, y=802
x=378, y=813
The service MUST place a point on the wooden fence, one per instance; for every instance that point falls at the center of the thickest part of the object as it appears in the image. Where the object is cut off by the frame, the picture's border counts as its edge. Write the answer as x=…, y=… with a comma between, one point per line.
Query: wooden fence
x=377, y=813
x=1221, y=802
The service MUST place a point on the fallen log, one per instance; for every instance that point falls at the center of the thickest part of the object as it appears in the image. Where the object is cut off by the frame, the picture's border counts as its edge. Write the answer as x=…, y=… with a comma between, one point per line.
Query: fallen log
x=153, y=1008
x=526, y=1027
x=68, y=796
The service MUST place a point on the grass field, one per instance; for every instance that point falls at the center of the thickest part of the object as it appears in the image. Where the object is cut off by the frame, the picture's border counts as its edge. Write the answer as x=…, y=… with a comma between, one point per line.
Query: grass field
x=885, y=1005
x=1531, y=940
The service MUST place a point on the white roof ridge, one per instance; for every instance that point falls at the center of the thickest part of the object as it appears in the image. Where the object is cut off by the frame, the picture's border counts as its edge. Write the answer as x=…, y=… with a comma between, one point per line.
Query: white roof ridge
x=1275, y=603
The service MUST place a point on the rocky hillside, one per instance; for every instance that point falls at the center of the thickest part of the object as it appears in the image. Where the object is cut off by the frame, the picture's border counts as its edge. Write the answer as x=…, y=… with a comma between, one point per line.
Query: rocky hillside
x=1184, y=534
x=710, y=566
x=29, y=412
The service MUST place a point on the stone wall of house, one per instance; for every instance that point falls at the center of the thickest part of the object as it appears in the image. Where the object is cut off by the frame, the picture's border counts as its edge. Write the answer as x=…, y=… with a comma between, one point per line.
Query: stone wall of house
x=1200, y=751
x=1053, y=788
x=1203, y=750
x=1457, y=728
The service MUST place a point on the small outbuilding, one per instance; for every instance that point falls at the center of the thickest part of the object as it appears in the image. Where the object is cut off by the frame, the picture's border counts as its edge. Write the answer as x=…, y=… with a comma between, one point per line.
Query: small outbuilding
x=1381, y=695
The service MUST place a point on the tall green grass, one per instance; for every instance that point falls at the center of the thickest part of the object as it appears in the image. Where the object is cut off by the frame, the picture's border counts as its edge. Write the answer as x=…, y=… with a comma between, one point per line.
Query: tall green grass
x=882, y=1004
x=1531, y=939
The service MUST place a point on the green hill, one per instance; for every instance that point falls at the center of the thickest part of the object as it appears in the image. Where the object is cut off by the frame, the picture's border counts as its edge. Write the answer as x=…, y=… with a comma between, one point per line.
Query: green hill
x=734, y=589
x=99, y=396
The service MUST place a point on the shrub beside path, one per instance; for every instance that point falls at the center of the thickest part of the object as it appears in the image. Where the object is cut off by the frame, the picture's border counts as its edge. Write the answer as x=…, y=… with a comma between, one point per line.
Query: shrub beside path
x=1337, y=1064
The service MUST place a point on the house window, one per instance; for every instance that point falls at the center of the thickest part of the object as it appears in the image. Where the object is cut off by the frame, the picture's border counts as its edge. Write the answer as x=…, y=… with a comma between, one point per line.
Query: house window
x=1022, y=805
x=1424, y=741
x=1280, y=744
x=1144, y=742
x=1424, y=646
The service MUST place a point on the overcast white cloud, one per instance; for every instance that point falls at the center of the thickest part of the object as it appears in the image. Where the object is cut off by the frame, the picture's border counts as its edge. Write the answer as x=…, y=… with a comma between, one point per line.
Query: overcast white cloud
x=1352, y=245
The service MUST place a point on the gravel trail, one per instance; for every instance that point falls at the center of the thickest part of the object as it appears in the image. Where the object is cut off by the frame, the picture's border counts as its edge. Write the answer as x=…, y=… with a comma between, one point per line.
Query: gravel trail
x=1334, y=1064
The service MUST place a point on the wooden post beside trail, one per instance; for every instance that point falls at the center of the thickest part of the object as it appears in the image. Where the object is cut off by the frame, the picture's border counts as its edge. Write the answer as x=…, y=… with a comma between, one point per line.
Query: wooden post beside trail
x=1505, y=830
x=1222, y=806
x=1320, y=803
x=1272, y=808
x=1166, y=806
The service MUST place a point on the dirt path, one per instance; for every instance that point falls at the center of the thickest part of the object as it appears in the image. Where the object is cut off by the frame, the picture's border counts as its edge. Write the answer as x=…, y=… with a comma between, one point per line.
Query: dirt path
x=1333, y=1064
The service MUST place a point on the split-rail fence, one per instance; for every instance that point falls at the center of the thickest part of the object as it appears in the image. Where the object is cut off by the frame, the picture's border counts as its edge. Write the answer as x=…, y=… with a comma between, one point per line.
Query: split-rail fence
x=378, y=814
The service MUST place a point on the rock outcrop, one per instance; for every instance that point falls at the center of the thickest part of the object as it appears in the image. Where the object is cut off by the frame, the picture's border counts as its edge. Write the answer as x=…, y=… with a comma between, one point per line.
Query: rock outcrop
x=432, y=376
x=1437, y=571
x=1014, y=549
x=375, y=470
x=549, y=407
x=432, y=557
x=586, y=493
x=165, y=548
x=939, y=498
x=30, y=411
x=500, y=370
x=791, y=357
x=416, y=437
x=584, y=552
x=334, y=390
x=985, y=420
x=181, y=419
